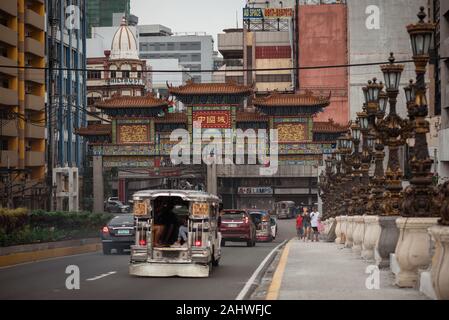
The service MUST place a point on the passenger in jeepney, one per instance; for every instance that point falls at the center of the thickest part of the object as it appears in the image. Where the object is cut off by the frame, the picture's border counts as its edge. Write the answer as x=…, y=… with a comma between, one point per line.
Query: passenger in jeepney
x=183, y=232
x=170, y=222
x=158, y=226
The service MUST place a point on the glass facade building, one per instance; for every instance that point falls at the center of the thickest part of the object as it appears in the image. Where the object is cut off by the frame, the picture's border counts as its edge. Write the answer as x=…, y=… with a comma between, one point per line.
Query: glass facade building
x=100, y=12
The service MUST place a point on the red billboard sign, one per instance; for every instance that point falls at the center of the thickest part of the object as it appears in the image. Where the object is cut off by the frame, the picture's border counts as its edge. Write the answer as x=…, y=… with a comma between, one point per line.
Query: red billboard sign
x=213, y=119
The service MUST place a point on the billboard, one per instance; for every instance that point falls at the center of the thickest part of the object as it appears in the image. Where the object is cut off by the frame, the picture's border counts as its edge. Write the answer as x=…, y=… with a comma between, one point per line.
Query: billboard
x=267, y=13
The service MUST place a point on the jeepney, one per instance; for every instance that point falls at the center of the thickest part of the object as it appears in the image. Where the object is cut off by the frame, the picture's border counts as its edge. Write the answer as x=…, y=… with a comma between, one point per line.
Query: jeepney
x=198, y=211
x=285, y=209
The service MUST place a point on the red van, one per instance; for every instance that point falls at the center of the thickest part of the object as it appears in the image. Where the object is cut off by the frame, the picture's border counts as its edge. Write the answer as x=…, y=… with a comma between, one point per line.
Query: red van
x=237, y=226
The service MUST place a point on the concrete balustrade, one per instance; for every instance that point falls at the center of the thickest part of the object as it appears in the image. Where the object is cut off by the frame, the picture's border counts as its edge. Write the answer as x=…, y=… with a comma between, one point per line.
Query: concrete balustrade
x=413, y=249
x=372, y=233
x=349, y=232
x=358, y=234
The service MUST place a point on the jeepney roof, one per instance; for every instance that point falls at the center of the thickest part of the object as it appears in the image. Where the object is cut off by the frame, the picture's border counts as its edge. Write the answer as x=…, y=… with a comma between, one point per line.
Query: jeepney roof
x=187, y=195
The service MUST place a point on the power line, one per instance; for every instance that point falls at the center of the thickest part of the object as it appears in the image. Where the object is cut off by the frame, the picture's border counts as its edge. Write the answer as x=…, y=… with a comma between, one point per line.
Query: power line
x=366, y=64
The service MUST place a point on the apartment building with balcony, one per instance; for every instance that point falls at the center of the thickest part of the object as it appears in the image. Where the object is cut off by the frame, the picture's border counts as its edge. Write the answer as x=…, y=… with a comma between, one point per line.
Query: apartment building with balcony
x=22, y=103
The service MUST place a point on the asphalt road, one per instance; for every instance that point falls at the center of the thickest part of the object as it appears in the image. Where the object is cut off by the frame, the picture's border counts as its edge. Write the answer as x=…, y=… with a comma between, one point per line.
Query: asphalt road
x=106, y=277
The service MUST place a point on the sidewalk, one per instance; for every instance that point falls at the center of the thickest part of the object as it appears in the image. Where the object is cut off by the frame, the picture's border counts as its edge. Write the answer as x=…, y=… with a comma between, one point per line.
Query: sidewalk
x=322, y=271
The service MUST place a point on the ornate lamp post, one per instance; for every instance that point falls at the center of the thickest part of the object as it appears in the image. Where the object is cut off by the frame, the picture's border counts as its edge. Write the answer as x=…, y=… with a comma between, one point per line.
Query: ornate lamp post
x=339, y=191
x=413, y=247
x=366, y=157
x=356, y=162
x=410, y=98
x=393, y=131
x=346, y=148
x=329, y=188
x=419, y=195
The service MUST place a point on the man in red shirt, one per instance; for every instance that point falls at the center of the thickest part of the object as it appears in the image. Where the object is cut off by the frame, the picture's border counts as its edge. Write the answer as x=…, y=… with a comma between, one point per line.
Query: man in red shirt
x=299, y=226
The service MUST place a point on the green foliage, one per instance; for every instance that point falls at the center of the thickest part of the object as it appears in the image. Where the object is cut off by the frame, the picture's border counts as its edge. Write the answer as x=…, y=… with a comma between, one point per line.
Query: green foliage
x=13, y=219
x=19, y=227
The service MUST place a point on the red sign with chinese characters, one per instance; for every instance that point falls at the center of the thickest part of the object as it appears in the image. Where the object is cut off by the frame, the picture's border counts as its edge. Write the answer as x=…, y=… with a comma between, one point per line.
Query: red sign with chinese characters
x=213, y=119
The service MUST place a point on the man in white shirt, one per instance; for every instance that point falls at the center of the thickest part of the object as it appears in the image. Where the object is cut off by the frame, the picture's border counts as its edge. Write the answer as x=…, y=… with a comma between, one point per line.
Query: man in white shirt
x=314, y=219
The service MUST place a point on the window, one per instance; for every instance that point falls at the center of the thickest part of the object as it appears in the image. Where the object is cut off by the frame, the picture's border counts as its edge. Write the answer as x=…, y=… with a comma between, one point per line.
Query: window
x=195, y=57
x=125, y=74
x=273, y=78
x=3, y=19
x=3, y=144
x=94, y=74
x=3, y=50
x=113, y=74
x=4, y=83
x=190, y=46
x=92, y=100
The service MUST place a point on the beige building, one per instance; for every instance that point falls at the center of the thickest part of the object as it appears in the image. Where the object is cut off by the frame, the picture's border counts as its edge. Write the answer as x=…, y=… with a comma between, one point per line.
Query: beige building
x=22, y=103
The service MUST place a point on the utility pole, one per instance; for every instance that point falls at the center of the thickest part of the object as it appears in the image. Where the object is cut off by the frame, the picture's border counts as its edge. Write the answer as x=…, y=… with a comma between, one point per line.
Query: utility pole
x=52, y=18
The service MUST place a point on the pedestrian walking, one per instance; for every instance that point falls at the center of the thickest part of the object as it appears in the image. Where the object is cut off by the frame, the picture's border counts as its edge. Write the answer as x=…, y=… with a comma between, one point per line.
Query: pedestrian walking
x=315, y=221
x=306, y=224
x=299, y=226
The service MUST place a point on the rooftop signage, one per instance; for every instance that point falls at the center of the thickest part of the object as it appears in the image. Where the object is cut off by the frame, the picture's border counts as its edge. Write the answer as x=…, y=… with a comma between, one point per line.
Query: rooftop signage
x=267, y=13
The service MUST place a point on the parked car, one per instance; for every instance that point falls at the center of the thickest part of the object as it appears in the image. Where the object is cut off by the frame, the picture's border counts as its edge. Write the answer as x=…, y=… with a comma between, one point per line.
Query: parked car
x=118, y=234
x=237, y=226
x=274, y=226
x=262, y=221
x=116, y=206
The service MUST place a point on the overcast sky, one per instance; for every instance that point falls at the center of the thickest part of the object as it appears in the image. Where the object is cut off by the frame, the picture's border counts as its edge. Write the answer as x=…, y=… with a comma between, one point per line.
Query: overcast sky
x=210, y=16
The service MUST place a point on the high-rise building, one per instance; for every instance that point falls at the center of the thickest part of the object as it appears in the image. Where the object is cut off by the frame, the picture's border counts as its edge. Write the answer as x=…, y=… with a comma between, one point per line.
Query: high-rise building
x=100, y=12
x=194, y=51
x=323, y=41
x=266, y=41
x=22, y=103
x=66, y=95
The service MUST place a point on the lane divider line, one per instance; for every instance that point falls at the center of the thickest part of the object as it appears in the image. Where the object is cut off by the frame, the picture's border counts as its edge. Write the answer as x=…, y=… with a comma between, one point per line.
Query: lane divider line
x=275, y=286
x=256, y=273
x=101, y=276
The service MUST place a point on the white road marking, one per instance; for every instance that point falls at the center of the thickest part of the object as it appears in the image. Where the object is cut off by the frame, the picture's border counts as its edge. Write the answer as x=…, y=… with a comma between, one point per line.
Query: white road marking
x=250, y=282
x=101, y=276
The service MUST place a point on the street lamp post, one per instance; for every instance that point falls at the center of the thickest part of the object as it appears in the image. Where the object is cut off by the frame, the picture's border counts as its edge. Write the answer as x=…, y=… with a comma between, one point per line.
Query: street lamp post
x=356, y=163
x=419, y=207
x=367, y=155
x=419, y=195
x=393, y=131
